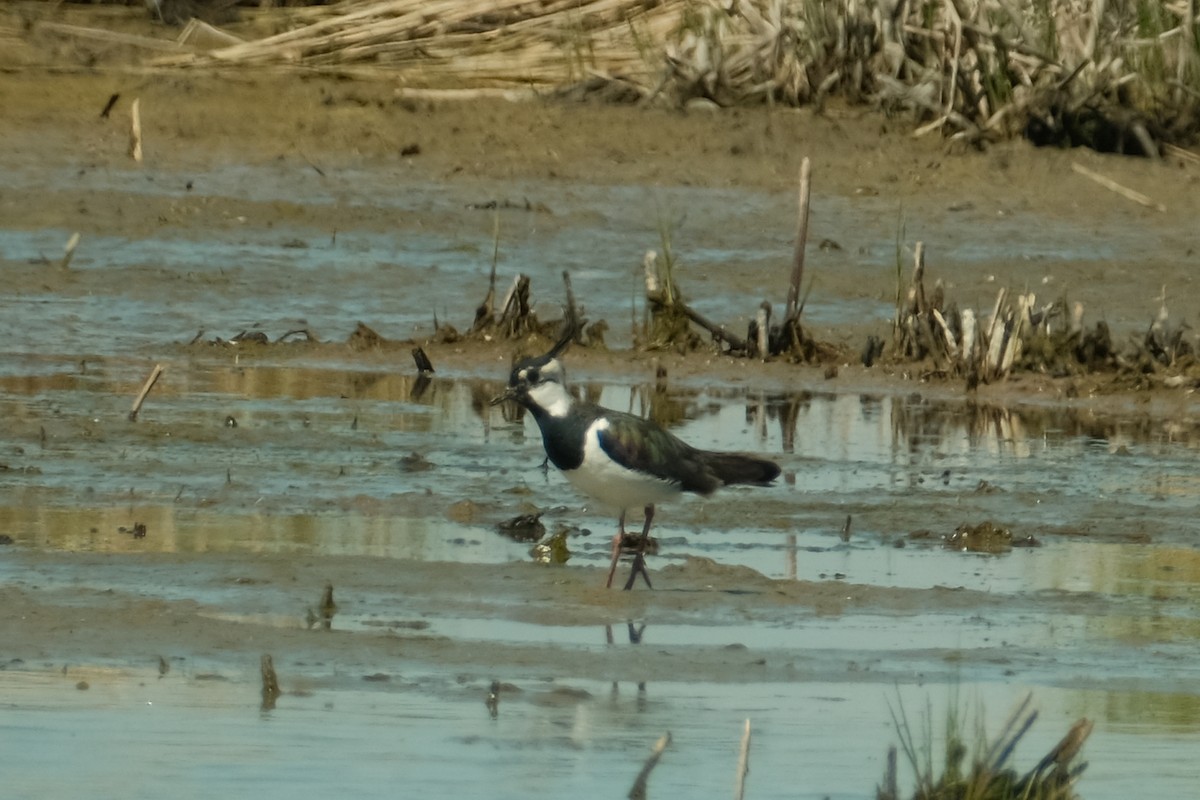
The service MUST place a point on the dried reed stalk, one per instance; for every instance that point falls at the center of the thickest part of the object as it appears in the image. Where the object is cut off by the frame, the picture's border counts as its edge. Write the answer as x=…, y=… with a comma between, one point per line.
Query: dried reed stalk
x=1113, y=186
x=135, y=130
x=638, y=791
x=146, y=387
x=69, y=251
x=793, y=293
x=743, y=767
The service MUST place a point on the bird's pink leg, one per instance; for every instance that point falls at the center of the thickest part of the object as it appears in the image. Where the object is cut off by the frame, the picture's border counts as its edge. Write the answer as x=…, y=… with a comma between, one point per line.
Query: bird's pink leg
x=616, y=549
x=639, y=557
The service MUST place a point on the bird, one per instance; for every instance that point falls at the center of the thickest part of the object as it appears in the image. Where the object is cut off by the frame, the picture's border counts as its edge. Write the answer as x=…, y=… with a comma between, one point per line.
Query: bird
x=621, y=460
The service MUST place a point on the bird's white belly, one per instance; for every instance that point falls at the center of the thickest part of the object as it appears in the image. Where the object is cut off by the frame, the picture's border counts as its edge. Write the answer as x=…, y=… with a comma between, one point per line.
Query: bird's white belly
x=619, y=488
x=613, y=485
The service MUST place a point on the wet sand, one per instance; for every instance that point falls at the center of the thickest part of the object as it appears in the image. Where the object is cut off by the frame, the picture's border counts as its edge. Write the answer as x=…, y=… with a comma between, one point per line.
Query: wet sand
x=271, y=202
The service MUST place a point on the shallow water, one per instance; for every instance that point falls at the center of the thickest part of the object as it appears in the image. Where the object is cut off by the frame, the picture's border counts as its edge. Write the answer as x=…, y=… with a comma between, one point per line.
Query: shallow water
x=1100, y=619
x=412, y=248
x=313, y=468
x=198, y=737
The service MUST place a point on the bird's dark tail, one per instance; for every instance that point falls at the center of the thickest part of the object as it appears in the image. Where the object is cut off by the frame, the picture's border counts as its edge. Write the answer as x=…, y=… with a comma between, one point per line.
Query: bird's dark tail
x=737, y=468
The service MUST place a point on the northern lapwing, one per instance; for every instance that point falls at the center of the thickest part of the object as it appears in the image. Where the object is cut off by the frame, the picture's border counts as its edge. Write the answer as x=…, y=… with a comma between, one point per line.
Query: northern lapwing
x=618, y=459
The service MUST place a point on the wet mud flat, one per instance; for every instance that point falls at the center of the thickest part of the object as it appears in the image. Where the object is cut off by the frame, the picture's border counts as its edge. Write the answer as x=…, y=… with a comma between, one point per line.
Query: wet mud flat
x=152, y=563
x=393, y=493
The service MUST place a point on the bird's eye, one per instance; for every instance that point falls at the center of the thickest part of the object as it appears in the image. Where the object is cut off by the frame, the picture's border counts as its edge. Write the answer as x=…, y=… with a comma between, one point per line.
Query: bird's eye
x=532, y=375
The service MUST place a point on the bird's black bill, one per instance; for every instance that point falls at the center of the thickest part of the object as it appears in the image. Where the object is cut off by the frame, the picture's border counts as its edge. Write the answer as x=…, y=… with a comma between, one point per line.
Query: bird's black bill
x=507, y=394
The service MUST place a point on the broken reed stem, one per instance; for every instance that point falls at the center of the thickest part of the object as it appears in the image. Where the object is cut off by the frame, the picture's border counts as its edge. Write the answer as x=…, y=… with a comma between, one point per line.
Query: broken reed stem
x=919, y=277
x=762, y=321
x=146, y=387
x=1113, y=186
x=135, y=130
x=69, y=251
x=717, y=331
x=793, y=295
x=495, y=256
x=424, y=365
x=743, y=767
x=638, y=792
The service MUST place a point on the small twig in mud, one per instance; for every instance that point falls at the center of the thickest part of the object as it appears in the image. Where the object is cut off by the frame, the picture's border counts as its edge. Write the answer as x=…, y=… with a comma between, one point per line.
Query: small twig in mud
x=424, y=365
x=314, y=167
x=146, y=387
x=1113, y=186
x=69, y=250
x=135, y=130
x=108, y=107
x=743, y=767
x=270, y=683
x=638, y=792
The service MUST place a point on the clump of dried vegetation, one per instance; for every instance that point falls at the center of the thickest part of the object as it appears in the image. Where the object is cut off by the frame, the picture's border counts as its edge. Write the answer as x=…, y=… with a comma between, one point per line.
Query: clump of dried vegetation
x=1114, y=76
x=1021, y=335
x=990, y=774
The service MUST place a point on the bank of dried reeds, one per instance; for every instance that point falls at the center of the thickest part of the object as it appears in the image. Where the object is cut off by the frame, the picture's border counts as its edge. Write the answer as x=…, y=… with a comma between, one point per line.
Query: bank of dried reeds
x=1117, y=76
x=1020, y=334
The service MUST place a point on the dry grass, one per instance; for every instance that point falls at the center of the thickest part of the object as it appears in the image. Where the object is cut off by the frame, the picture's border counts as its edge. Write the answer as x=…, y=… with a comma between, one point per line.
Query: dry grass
x=1120, y=76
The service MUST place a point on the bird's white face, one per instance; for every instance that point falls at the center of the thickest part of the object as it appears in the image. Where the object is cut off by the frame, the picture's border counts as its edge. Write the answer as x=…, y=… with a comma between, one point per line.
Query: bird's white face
x=543, y=386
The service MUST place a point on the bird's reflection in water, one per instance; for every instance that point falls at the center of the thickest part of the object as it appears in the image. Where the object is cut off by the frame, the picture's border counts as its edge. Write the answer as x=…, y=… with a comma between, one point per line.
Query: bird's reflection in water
x=635, y=637
x=635, y=632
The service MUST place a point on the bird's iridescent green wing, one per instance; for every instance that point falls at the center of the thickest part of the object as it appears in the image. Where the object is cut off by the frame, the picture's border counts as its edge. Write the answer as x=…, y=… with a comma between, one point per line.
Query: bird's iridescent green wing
x=642, y=445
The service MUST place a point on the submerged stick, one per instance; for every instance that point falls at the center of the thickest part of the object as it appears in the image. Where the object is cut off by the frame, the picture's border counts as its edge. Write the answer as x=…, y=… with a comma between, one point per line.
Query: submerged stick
x=638, y=792
x=327, y=607
x=743, y=767
x=146, y=387
x=493, y=700
x=270, y=683
x=793, y=295
x=135, y=130
x=890, y=790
